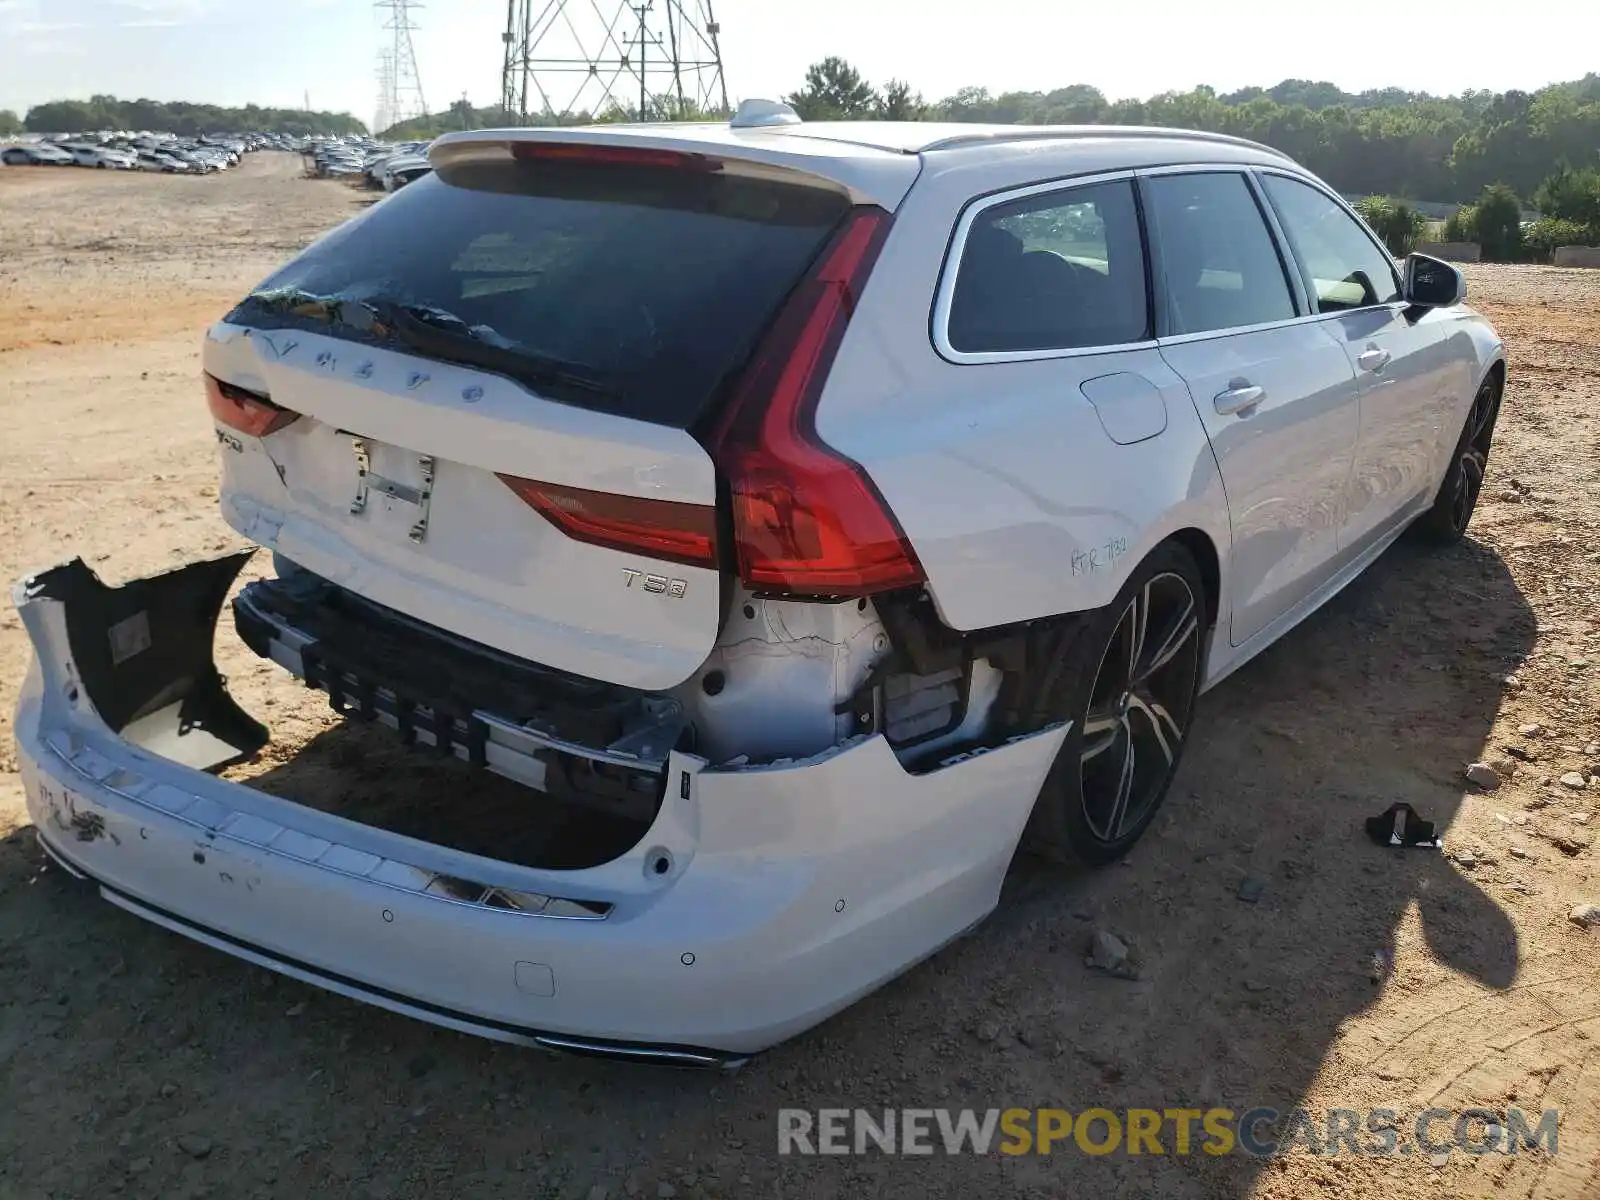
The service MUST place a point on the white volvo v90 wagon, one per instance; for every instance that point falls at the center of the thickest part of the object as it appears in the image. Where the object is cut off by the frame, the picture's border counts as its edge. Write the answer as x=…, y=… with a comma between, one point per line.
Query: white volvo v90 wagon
x=827, y=509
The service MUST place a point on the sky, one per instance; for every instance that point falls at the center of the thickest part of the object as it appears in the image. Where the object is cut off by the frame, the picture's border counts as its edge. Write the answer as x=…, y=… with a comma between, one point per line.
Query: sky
x=276, y=52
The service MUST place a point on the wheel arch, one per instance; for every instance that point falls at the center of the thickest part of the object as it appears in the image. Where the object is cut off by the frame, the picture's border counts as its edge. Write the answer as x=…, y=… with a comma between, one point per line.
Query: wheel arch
x=1199, y=544
x=1496, y=371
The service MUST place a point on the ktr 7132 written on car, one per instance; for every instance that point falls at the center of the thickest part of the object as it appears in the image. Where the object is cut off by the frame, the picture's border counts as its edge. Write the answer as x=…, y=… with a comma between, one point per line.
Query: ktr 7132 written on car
x=1095, y=557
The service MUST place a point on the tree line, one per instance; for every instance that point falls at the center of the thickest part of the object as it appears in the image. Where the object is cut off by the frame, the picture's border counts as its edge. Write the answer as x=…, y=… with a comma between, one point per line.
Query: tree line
x=462, y=115
x=1386, y=141
x=178, y=117
x=1479, y=149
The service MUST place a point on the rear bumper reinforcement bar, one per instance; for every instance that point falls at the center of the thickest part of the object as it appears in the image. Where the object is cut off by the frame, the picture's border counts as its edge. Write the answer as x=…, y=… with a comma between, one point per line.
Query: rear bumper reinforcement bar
x=425, y=705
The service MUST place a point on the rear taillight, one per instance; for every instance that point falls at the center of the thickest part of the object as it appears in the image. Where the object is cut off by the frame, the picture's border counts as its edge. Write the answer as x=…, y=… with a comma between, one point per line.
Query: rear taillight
x=245, y=411
x=668, y=530
x=806, y=519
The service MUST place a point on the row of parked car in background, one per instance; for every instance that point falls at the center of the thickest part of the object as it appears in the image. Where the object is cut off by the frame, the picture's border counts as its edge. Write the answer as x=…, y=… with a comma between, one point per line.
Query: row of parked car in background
x=134, y=152
x=385, y=165
x=389, y=166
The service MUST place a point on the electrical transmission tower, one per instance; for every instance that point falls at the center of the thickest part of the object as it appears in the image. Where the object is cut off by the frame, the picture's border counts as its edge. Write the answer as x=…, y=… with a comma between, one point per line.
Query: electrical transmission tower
x=401, y=98
x=385, y=115
x=570, y=60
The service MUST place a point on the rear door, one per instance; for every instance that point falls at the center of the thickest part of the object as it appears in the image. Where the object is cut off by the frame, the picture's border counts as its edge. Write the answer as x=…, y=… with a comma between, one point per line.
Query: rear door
x=1276, y=393
x=499, y=373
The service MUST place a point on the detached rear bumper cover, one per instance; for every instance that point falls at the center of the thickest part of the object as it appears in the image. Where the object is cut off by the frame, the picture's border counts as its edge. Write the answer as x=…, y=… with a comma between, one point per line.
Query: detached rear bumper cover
x=788, y=891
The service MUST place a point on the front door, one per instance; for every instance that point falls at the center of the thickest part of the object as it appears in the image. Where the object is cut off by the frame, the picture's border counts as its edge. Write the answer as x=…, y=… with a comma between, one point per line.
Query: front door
x=1277, y=395
x=1405, y=378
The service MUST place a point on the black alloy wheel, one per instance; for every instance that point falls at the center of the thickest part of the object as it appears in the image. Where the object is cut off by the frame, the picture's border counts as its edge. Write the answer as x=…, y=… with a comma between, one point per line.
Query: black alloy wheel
x=1129, y=681
x=1139, y=707
x=1446, y=522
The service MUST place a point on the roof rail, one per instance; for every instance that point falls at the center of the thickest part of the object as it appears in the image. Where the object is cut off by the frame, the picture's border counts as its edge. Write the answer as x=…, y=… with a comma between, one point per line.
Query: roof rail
x=1035, y=133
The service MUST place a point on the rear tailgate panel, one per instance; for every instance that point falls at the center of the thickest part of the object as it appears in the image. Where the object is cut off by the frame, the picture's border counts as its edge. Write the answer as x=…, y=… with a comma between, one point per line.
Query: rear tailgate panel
x=488, y=567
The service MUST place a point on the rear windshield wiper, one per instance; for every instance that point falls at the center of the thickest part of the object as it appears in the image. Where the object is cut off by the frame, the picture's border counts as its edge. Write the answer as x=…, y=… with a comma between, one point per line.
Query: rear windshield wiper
x=433, y=332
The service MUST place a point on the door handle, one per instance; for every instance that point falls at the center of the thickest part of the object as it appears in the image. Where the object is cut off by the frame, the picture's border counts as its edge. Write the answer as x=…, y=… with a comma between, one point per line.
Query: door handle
x=1373, y=359
x=1238, y=397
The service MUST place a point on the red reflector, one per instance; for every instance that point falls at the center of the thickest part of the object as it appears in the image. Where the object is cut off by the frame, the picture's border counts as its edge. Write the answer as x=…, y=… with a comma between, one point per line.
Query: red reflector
x=663, y=529
x=246, y=411
x=807, y=519
x=612, y=155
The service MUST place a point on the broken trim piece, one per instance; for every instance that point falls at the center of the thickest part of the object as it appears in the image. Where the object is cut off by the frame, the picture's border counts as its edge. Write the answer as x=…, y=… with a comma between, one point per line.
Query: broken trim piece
x=143, y=655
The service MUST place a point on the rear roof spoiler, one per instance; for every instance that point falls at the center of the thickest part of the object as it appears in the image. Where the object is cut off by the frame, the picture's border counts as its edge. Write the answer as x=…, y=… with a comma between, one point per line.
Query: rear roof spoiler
x=868, y=174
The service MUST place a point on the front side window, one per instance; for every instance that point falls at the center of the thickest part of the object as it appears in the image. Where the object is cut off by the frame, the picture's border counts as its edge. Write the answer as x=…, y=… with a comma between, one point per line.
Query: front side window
x=1056, y=271
x=1346, y=267
x=1218, y=261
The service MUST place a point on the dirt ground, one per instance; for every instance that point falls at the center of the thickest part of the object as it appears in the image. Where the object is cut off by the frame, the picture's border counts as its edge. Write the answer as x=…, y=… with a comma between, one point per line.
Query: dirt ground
x=117, y=1038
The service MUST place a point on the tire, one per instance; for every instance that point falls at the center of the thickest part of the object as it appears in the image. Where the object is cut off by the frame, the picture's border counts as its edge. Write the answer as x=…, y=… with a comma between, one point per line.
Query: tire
x=1446, y=522
x=1129, y=727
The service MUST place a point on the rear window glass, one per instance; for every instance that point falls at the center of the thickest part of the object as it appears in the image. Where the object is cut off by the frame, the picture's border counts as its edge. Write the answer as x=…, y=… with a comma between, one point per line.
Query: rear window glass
x=656, y=281
x=1057, y=271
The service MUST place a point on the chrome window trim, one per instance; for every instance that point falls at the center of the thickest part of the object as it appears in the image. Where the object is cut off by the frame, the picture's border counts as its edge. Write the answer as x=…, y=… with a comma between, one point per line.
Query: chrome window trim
x=1317, y=185
x=1206, y=335
x=1178, y=339
x=951, y=270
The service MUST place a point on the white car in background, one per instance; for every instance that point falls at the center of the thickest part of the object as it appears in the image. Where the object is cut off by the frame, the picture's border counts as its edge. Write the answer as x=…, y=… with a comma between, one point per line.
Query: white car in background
x=156, y=160
x=102, y=158
x=39, y=154
x=805, y=515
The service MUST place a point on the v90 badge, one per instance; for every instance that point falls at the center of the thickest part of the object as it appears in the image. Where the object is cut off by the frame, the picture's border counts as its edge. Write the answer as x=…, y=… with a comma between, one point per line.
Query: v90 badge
x=660, y=585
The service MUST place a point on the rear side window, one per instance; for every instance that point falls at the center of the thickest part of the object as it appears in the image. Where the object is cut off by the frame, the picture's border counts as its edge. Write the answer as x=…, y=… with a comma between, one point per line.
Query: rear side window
x=1346, y=267
x=655, y=280
x=1220, y=267
x=1056, y=271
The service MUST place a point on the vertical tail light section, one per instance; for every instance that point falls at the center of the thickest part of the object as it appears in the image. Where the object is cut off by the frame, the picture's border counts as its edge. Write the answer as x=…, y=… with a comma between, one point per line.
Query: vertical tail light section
x=806, y=519
x=244, y=411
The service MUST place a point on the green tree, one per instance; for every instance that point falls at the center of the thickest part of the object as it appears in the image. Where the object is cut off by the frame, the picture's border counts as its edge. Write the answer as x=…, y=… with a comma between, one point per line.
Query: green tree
x=10, y=123
x=899, y=103
x=1396, y=222
x=1461, y=225
x=1497, y=220
x=1548, y=234
x=834, y=91
x=1076, y=104
x=1572, y=196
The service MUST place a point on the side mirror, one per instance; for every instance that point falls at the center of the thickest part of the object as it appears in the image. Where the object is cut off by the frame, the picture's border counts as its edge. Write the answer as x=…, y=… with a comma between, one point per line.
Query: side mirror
x=1432, y=282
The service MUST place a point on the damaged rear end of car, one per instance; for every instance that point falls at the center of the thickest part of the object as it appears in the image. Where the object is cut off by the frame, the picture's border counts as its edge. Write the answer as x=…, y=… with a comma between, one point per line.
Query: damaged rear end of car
x=532, y=444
